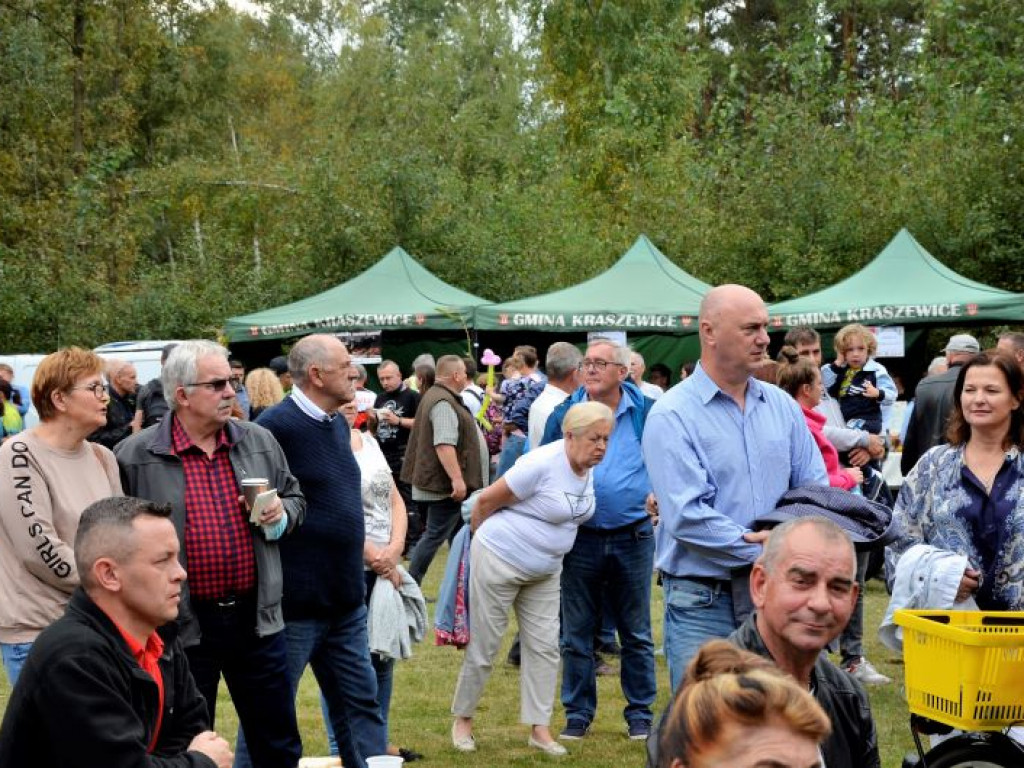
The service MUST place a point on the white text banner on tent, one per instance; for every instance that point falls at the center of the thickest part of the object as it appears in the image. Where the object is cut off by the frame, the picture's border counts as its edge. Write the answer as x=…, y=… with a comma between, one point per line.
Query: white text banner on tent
x=891, y=340
x=586, y=321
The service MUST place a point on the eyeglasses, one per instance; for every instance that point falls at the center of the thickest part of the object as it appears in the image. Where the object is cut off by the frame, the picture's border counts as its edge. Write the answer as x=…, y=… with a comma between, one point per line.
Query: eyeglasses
x=97, y=388
x=217, y=385
x=597, y=365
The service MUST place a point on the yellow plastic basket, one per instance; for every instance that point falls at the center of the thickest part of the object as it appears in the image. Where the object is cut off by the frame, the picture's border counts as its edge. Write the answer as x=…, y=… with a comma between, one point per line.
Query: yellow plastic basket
x=965, y=668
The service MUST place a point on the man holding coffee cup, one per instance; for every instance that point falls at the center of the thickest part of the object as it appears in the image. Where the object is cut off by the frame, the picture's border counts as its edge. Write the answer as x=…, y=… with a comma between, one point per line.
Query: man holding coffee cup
x=230, y=618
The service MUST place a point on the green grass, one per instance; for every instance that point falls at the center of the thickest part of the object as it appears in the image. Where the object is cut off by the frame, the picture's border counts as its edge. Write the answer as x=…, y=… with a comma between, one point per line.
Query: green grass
x=424, y=684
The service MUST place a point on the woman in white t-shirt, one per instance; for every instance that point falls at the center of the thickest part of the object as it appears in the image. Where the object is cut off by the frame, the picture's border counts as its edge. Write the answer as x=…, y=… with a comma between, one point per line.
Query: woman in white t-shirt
x=524, y=524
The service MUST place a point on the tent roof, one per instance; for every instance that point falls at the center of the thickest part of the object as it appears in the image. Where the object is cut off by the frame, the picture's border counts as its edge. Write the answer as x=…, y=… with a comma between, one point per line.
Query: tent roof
x=396, y=292
x=902, y=285
x=642, y=291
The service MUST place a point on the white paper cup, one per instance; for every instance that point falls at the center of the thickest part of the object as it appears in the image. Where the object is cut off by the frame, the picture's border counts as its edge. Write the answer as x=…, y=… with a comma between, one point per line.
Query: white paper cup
x=384, y=761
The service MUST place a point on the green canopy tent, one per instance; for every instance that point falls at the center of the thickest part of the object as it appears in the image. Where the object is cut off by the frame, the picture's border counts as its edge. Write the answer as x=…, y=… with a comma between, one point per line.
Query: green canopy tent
x=396, y=293
x=643, y=292
x=902, y=285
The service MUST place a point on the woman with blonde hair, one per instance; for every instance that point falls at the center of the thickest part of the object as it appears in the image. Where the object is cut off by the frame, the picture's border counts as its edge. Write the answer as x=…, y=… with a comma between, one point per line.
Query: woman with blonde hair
x=48, y=476
x=737, y=709
x=523, y=525
x=264, y=388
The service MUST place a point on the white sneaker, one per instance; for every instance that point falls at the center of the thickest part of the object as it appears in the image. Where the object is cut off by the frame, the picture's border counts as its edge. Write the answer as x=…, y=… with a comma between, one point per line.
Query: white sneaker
x=864, y=672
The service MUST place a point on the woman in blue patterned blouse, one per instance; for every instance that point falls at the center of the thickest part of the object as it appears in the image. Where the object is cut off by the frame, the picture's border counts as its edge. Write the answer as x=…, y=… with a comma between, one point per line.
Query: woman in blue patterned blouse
x=965, y=497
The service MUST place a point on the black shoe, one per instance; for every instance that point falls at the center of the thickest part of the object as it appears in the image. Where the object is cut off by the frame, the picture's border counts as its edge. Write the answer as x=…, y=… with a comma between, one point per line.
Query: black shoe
x=409, y=755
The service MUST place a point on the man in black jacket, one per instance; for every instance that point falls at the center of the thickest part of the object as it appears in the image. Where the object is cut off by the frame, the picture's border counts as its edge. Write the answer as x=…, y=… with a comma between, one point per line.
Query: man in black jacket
x=804, y=588
x=100, y=686
x=933, y=400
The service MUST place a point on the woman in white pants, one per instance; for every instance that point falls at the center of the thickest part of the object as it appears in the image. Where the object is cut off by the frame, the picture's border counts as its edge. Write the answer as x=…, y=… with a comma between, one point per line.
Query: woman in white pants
x=523, y=525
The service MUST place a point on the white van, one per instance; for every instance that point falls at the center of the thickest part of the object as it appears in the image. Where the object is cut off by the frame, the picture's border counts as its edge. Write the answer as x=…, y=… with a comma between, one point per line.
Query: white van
x=144, y=355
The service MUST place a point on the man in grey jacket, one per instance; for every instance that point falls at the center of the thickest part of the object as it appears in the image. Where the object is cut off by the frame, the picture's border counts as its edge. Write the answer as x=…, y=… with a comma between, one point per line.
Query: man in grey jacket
x=230, y=613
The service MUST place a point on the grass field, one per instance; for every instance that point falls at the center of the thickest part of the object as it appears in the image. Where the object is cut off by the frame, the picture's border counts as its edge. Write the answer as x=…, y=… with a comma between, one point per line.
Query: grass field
x=423, y=689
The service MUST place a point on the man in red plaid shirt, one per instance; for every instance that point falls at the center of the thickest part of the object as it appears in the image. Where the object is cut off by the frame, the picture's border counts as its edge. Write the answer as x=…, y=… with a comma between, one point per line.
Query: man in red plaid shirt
x=231, y=619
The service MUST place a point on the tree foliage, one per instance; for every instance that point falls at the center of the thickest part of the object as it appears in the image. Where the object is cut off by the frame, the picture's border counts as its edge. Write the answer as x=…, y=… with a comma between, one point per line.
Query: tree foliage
x=165, y=163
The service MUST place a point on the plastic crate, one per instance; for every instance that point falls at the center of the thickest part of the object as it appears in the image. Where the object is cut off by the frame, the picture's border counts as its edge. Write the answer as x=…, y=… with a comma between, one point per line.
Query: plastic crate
x=965, y=668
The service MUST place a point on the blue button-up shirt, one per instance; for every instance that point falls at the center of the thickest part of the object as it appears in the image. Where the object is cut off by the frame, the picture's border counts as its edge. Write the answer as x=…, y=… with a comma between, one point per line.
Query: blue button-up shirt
x=714, y=468
x=621, y=484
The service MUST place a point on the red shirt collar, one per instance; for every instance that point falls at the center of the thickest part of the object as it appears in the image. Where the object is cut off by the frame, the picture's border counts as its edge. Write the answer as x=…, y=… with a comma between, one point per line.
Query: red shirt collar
x=181, y=442
x=152, y=650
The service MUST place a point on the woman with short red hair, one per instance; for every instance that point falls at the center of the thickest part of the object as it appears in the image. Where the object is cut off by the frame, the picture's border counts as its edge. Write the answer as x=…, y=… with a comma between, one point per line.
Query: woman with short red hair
x=48, y=475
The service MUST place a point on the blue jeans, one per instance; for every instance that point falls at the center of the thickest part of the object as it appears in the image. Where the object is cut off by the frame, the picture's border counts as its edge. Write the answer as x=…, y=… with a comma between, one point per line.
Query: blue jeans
x=339, y=652
x=14, y=659
x=384, y=669
x=695, y=612
x=514, y=447
x=256, y=672
x=617, y=567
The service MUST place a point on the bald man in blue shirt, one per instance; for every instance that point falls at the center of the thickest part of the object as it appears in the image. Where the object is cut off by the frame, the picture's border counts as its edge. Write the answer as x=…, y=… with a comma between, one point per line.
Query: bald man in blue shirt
x=720, y=449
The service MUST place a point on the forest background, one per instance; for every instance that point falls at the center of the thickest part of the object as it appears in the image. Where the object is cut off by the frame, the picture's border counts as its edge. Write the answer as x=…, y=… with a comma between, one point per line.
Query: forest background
x=165, y=164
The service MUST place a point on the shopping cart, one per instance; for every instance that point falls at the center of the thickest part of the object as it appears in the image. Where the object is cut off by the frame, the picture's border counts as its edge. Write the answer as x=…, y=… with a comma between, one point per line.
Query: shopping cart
x=965, y=670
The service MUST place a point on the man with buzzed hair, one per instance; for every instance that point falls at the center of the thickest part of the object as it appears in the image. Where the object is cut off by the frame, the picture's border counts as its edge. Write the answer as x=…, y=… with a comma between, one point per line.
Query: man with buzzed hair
x=562, y=366
x=100, y=686
x=446, y=460
x=721, y=448
x=231, y=621
x=396, y=407
x=804, y=590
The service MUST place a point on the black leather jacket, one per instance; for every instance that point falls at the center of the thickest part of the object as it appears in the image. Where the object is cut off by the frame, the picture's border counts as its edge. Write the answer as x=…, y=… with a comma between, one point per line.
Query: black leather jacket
x=853, y=742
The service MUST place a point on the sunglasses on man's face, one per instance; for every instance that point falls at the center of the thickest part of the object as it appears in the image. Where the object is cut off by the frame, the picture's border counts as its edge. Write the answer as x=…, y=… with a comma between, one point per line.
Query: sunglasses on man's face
x=217, y=385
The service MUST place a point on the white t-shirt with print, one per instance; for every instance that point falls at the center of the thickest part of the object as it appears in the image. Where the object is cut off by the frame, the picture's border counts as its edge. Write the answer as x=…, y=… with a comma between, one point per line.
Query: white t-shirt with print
x=375, y=487
x=535, y=533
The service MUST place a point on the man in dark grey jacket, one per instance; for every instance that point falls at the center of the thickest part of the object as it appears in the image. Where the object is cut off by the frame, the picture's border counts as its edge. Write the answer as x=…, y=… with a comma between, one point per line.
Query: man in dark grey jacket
x=804, y=589
x=231, y=621
x=933, y=400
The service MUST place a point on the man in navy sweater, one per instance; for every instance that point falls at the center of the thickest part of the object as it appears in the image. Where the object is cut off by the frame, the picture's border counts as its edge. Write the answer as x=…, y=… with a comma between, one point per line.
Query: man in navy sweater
x=324, y=607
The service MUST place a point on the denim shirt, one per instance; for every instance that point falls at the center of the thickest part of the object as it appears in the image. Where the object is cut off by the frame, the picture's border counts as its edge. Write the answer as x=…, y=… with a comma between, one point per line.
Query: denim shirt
x=943, y=504
x=715, y=468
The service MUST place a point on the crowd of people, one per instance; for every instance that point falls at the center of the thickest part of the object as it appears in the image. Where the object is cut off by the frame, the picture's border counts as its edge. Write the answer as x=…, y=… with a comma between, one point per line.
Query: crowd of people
x=212, y=525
